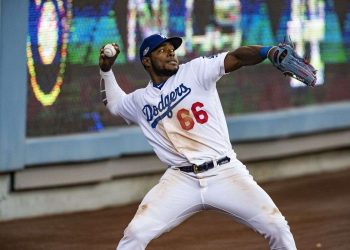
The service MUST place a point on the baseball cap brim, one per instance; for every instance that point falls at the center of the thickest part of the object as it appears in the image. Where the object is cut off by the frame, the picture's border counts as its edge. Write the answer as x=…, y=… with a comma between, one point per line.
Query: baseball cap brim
x=175, y=41
x=155, y=41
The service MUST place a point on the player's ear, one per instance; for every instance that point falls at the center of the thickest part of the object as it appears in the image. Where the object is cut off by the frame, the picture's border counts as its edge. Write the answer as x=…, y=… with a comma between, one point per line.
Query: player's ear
x=146, y=61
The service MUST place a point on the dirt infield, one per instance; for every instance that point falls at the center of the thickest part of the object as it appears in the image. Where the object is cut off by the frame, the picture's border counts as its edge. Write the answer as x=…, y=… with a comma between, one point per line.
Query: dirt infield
x=317, y=208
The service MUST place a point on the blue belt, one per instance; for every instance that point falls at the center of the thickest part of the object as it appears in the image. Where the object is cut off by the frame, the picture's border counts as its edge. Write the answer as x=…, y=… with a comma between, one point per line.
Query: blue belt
x=205, y=166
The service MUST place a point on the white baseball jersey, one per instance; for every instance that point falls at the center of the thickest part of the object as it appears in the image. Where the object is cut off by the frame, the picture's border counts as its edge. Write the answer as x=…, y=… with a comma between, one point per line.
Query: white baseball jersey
x=182, y=118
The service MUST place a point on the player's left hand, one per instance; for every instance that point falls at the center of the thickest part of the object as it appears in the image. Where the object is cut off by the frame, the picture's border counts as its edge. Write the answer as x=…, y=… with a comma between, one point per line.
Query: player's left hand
x=291, y=64
x=106, y=62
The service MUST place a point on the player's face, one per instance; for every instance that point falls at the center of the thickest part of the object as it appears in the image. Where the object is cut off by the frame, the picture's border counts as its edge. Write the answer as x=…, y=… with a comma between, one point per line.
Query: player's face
x=164, y=61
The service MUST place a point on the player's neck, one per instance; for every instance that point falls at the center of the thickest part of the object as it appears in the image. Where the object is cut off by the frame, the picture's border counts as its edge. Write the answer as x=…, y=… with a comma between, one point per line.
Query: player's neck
x=159, y=79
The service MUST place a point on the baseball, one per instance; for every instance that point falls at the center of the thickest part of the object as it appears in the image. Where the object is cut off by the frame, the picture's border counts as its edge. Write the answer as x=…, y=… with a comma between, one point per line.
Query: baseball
x=109, y=50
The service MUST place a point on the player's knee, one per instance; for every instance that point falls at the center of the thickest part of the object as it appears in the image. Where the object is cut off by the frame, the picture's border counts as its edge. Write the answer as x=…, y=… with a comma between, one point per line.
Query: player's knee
x=143, y=231
x=135, y=237
x=278, y=224
x=136, y=233
x=275, y=229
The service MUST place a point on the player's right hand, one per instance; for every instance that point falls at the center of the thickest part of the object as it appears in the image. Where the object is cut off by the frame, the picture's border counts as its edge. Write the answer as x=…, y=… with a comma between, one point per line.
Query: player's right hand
x=106, y=62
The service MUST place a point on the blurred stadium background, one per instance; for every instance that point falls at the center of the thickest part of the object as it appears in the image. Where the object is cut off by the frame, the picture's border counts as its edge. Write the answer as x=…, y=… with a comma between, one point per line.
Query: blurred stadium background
x=61, y=151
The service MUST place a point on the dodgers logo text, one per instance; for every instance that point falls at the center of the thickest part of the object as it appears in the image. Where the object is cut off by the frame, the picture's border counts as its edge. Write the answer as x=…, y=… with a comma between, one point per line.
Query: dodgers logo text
x=155, y=113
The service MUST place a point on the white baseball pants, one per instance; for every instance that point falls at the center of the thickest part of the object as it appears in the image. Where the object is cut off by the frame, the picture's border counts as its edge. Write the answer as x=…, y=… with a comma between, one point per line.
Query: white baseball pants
x=228, y=188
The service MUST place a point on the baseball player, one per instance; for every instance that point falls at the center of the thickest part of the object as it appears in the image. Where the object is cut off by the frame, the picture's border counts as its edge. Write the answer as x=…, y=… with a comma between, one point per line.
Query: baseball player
x=180, y=114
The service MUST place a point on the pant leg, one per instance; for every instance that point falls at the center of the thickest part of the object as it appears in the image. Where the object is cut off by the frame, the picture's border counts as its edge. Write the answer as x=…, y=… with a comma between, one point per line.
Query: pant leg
x=170, y=202
x=234, y=191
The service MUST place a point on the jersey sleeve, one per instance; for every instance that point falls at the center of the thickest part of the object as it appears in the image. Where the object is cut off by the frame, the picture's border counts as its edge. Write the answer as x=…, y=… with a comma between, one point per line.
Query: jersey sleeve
x=116, y=100
x=208, y=70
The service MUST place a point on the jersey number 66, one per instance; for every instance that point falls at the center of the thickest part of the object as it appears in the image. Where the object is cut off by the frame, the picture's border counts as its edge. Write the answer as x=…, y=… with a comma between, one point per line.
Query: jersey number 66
x=185, y=118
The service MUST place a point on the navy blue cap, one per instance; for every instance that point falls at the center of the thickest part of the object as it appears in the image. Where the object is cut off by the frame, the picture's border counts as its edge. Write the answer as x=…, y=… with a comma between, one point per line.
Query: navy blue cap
x=152, y=42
